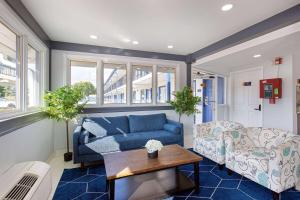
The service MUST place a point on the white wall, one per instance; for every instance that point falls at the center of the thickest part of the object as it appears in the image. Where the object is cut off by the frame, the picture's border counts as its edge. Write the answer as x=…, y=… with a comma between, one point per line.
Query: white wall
x=33, y=142
x=59, y=78
x=282, y=114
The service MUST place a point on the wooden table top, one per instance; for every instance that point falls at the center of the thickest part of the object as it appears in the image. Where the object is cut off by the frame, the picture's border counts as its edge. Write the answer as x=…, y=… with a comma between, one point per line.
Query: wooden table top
x=133, y=162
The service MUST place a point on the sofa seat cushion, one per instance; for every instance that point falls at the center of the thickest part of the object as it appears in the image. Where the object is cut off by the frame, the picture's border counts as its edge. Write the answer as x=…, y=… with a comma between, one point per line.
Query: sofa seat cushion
x=252, y=159
x=139, y=139
x=123, y=142
x=144, y=123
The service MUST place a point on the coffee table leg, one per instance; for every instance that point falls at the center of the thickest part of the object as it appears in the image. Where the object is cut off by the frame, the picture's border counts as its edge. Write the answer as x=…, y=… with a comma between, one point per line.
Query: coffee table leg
x=111, y=189
x=196, y=176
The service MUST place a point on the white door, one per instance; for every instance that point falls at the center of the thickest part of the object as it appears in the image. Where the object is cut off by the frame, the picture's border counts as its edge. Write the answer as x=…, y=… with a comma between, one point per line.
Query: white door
x=246, y=105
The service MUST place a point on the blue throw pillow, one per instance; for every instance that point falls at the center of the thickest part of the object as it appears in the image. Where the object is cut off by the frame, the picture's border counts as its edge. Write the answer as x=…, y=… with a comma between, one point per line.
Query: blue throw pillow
x=143, y=123
x=84, y=137
x=172, y=128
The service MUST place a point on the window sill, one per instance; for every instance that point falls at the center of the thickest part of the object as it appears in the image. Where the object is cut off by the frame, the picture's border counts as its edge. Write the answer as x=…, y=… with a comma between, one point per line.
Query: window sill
x=19, y=121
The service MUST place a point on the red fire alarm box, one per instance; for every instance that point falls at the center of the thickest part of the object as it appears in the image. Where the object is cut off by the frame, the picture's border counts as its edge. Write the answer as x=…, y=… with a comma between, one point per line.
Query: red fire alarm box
x=271, y=89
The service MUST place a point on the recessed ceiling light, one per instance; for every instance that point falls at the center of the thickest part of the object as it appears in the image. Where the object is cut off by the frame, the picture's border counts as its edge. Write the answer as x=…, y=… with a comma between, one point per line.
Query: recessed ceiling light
x=256, y=56
x=135, y=42
x=94, y=37
x=170, y=46
x=227, y=7
x=126, y=40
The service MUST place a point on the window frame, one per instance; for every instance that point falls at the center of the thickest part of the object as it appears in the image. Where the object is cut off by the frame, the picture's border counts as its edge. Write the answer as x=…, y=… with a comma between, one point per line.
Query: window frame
x=69, y=78
x=152, y=84
x=7, y=114
x=129, y=62
x=175, y=81
x=224, y=91
x=102, y=81
x=39, y=78
x=24, y=38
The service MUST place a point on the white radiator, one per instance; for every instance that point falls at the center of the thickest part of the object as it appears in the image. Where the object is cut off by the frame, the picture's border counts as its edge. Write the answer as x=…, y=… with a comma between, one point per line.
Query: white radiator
x=26, y=181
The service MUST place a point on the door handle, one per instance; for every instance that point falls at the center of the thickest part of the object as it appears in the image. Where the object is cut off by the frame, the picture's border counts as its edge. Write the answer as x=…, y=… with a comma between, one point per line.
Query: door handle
x=259, y=108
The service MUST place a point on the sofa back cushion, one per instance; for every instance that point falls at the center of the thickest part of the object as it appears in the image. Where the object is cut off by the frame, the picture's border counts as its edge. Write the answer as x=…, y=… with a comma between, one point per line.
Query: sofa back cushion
x=266, y=137
x=142, y=123
x=105, y=126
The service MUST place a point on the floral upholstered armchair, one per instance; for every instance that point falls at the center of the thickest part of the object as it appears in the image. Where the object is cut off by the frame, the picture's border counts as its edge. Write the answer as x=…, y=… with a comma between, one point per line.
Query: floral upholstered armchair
x=269, y=157
x=209, y=139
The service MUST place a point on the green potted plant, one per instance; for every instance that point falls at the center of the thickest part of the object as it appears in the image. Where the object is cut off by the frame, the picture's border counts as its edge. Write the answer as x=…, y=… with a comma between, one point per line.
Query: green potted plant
x=185, y=102
x=64, y=104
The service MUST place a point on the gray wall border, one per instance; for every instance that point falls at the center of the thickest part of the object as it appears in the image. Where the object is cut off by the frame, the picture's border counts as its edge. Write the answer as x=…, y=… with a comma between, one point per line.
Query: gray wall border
x=16, y=123
x=114, y=51
x=124, y=109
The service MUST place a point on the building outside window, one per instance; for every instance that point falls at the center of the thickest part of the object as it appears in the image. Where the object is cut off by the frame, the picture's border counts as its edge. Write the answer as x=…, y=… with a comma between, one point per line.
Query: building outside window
x=141, y=84
x=115, y=79
x=9, y=93
x=33, y=77
x=166, y=85
x=85, y=72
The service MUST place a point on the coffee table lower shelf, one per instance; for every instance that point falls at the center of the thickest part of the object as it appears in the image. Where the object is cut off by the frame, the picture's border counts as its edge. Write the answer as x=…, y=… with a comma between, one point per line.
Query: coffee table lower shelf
x=153, y=185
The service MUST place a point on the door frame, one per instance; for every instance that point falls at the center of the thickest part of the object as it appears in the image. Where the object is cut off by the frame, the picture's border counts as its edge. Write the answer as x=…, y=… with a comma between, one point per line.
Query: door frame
x=230, y=91
x=215, y=91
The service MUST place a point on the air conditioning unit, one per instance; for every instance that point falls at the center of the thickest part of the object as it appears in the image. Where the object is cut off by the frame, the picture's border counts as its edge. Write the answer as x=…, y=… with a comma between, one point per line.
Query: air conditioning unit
x=24, y=181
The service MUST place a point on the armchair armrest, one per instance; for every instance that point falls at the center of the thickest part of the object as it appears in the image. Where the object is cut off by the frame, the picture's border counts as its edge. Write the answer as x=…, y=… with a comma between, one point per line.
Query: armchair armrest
x=283, y=162
x=200, y=130
x=232, y=139
x=180, y=125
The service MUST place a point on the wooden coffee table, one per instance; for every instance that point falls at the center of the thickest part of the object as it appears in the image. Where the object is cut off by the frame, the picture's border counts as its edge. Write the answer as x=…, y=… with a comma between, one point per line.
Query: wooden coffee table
x=138, y=177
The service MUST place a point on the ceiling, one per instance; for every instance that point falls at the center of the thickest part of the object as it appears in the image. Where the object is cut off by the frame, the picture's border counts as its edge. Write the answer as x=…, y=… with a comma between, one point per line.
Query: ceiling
x=244, y=59
x=188, y=25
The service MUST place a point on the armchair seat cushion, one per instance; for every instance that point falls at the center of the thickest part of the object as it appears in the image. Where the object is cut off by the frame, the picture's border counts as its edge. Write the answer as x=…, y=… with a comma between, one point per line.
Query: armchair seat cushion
x=252, y=159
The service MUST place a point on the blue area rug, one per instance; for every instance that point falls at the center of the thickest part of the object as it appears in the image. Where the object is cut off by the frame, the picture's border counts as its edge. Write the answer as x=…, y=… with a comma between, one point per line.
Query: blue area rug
x=215, y=184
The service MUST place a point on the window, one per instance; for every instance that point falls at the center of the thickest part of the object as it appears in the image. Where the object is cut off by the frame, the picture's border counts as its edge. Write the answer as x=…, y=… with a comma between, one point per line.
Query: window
x=85, y=72
x=33, y=78
x=9, y=79
x=114, y=83
x=221, y=90
x=165, y=84
x=141, y=84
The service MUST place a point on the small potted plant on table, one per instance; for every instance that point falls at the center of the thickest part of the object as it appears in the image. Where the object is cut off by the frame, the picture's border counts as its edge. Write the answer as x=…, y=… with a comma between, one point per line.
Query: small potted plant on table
x=153, y=147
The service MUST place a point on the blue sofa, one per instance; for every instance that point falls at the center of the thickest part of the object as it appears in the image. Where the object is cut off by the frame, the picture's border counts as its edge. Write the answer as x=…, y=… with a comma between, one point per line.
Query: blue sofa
x=100, y=135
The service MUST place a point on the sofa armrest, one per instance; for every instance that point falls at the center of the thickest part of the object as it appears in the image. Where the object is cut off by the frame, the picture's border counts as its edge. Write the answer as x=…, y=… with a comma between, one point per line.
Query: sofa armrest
x=76, y=136
x=180, y=125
